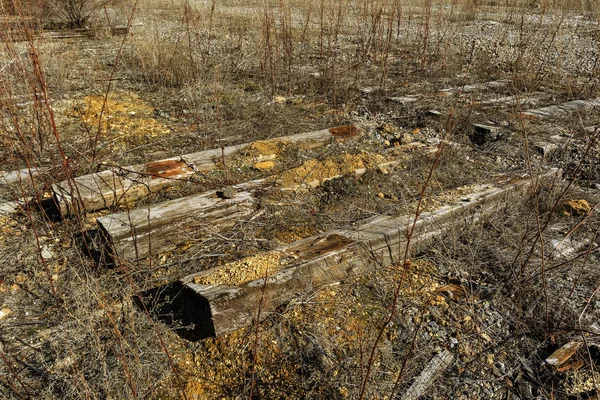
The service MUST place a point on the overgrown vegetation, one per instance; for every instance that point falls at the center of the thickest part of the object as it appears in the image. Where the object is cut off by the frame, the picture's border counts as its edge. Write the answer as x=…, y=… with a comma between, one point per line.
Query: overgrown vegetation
x=145, y=81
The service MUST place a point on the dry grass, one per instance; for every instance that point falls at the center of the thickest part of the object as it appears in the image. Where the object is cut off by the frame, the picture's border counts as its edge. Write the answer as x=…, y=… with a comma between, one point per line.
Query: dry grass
x=202, y=74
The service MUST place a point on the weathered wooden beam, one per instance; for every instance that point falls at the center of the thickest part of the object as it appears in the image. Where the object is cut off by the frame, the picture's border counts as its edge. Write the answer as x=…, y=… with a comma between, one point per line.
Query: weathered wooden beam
x=475, y=87
x=562, y=110
x=129, y=184
x=146, y=231
x=221, y=300
x=438, y=364
x=14, y=206
x=162, y=227
x=22, y=175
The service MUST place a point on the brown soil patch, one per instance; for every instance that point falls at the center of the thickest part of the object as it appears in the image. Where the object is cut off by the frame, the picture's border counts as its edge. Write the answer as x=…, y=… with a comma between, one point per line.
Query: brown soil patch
x=314, y=172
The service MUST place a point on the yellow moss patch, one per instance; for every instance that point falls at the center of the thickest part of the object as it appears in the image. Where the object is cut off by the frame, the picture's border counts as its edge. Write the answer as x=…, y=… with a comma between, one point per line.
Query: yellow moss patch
x=313, y=171
x=576, y=208
x=264, y=148
x=242, y=271
x=7, y=228
x=125, y=118
x=264, y=166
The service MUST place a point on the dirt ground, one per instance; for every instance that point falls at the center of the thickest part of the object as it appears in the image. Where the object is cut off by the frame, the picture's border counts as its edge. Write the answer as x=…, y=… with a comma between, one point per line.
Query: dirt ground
x=444, y=91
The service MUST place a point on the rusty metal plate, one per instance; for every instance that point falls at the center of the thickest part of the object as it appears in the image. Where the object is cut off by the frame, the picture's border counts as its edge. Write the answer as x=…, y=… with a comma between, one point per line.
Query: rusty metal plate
x=345, y=132
x=168, y=169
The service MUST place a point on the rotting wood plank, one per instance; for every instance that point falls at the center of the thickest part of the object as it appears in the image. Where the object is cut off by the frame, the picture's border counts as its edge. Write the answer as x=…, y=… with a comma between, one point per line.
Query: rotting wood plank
x=162, y=227
x=21, y=175
x=13, y=207
x=562, y=110
x=145, y=231
x=129, y=184
x=217, y=309
x=438, y=364
x=475, y=87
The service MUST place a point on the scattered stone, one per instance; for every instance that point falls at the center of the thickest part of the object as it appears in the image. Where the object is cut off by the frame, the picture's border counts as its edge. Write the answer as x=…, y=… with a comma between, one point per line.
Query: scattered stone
x=576, y=208
x=264, y=166
x=47, y=253
x=4, y=313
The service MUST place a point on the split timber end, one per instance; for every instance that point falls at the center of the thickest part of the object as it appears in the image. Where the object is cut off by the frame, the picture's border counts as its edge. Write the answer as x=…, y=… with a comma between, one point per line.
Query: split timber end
x=331, y=257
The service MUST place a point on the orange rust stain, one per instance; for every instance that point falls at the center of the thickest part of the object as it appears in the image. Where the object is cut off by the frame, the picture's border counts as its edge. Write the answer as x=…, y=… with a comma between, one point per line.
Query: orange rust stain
x=344, y=132
x=168, y=168
x=320, y=246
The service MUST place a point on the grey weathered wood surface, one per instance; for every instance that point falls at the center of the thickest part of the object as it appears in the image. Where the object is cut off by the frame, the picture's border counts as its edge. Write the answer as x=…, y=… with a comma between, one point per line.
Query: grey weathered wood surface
x=129, y=184
x=475, y=87
x=22, y=175
x=327, y=258
x=146, y=231
x=13, y=207
x=563, y=110
x=162, y=227
x=438, y=364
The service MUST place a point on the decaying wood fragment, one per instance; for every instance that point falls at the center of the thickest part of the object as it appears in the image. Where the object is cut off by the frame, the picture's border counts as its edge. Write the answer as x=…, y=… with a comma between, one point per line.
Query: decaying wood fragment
x=438, y=364
x=162, y=227
x=22, y=175
x=475, y=87
x=562, y=355
x=145, y=231
x=562, y=110
x=332, y=256
x=129, y=184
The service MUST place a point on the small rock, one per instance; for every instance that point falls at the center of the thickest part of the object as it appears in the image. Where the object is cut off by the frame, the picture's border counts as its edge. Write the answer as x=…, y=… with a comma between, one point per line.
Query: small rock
x=5, y=312
x=264, y=166
x=47, y=253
